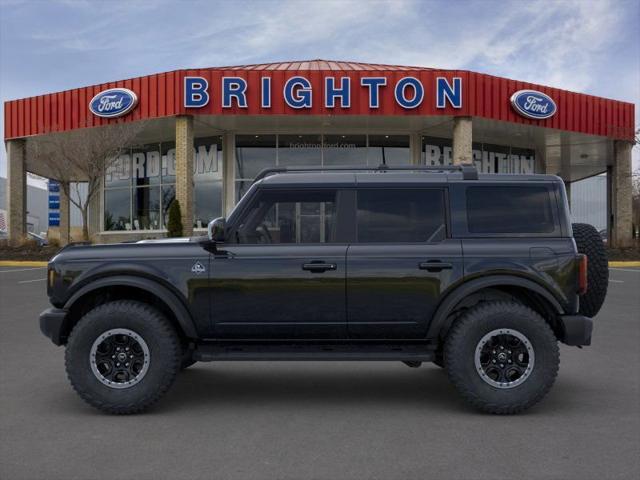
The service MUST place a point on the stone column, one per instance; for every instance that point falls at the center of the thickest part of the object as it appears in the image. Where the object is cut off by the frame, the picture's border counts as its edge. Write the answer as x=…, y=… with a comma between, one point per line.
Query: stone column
x=621, y=189
x=16, y=191
x=228, y=173
x=65, y=215
x=462, y=140
x=184, y=171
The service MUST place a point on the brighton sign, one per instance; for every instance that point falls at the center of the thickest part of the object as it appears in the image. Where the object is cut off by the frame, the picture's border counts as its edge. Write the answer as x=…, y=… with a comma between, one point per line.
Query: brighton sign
x=297, y=92
x=113, y=103
x=533, y=104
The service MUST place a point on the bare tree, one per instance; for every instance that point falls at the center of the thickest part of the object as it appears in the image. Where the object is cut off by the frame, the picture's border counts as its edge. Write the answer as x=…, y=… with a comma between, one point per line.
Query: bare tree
x=82, y=156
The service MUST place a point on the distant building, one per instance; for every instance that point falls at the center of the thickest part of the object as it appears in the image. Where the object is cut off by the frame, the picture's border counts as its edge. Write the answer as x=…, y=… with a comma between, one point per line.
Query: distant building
x=37, y=207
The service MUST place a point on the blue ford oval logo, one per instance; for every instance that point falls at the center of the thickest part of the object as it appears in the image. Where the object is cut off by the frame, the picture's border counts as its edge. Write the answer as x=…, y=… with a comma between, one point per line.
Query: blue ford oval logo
x=533, y=104
x=114, y=102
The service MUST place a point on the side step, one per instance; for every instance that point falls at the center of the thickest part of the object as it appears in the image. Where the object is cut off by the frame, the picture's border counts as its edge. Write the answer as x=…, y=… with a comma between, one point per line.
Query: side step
x=233, y=351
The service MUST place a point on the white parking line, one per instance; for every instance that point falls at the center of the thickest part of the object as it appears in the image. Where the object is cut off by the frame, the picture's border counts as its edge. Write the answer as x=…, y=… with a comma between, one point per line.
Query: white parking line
x=21, y=269
x=36, y=280
x=615, y=281
x=625, y=269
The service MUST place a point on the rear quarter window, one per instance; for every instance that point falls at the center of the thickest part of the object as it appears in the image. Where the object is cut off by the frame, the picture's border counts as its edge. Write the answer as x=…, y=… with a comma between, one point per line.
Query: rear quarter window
x=400, y=215
x=510, y=209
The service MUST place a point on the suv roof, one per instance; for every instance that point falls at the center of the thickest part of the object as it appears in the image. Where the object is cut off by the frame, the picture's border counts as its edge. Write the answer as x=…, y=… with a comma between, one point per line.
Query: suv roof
x=351, y=176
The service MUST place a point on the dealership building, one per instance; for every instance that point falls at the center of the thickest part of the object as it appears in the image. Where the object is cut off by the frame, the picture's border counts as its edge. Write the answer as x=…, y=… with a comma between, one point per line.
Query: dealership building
x=203, y=136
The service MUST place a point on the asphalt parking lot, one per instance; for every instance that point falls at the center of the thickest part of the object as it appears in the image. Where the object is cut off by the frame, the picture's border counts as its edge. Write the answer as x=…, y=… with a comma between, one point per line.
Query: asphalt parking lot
x=319, y=420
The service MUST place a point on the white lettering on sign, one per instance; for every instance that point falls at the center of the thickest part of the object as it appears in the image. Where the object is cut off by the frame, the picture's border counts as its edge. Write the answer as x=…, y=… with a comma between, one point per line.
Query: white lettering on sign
x=533, y=104
x=152, y=164
x=298, y=92
x=108, y=104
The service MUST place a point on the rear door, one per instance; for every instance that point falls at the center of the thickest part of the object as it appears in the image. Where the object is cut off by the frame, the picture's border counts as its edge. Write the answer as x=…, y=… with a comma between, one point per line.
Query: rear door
x=402, y=261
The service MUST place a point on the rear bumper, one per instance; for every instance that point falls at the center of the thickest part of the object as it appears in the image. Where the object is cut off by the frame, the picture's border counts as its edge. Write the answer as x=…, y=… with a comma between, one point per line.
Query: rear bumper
x=576, y=330
x=53, y=323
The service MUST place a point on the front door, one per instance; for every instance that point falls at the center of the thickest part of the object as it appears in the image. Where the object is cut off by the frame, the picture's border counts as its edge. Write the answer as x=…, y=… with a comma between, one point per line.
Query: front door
x=282, y=274
x=401, y=262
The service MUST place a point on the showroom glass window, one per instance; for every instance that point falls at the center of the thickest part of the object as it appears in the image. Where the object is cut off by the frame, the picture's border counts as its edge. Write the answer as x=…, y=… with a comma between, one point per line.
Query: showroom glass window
x=257, y=152
x=140, y=186
x=389, y=149
x=207, y=180
x=254, y=153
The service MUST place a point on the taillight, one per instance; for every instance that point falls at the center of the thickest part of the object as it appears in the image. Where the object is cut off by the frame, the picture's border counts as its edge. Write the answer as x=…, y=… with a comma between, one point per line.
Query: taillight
x=582, y=274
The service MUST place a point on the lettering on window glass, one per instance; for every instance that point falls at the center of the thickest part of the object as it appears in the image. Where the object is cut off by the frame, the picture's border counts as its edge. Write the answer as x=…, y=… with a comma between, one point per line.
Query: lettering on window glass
x=487, y=158
x=149, y=164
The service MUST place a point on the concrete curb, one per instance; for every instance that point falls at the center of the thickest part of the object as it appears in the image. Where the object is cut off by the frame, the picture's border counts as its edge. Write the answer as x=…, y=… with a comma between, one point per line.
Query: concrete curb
x=22, y=263
x=29, y=263
x=625, y=264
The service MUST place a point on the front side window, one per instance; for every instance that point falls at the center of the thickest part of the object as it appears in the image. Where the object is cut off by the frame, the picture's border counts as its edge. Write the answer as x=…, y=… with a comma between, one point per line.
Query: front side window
x=290, y=217
x=400, y=215
x=502, y=209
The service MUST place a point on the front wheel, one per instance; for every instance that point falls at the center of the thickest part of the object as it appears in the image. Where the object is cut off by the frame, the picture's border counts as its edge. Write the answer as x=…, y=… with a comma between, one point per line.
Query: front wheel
x=502, y=357
x=122, y=356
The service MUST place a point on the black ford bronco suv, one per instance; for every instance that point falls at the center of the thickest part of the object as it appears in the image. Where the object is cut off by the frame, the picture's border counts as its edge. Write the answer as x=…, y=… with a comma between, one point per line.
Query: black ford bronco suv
x=481, y=274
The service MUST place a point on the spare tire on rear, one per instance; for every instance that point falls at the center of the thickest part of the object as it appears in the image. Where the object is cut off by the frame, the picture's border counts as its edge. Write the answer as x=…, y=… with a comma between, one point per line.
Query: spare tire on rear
x=590, y=243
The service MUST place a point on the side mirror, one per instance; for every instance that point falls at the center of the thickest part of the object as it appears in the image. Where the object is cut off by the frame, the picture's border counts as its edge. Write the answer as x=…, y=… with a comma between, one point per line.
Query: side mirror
x=216, y=229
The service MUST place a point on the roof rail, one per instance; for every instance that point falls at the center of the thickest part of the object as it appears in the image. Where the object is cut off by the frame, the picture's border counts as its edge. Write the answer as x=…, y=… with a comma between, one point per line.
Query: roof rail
x=469, y=171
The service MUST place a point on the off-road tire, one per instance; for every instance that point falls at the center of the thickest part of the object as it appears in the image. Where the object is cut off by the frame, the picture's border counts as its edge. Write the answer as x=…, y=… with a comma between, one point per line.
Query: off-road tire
x=590, y=243
x=164, y=359
x=465, y=335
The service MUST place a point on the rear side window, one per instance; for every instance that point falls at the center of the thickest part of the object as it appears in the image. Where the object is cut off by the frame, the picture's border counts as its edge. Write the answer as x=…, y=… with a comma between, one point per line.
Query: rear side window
x=498, y=209
x=400, y=215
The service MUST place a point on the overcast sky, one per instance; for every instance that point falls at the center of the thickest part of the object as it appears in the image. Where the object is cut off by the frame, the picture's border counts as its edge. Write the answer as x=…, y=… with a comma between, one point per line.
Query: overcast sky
x=581, y=45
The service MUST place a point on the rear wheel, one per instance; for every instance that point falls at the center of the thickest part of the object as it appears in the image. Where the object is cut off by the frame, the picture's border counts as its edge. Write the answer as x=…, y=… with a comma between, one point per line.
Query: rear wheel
x=502, y=357
x=122, y=356
x=590, y=243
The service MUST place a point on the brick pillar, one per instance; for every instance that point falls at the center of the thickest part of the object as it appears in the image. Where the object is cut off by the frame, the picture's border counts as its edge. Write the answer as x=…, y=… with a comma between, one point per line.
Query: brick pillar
x=65, y=215
x=16, y=191
x=184, y=171
x=621, y=189
x=462, y=140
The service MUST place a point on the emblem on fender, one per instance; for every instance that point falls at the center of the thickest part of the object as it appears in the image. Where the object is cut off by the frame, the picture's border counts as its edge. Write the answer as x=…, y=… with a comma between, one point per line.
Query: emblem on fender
x=198, y=268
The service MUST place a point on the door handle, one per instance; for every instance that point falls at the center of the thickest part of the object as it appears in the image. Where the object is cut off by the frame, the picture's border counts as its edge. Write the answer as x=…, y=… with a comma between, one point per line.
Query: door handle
x=434, y=266
x=319, y=267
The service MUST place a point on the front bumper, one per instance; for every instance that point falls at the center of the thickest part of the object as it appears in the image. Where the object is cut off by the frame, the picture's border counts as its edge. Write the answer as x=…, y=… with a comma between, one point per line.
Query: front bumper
x=576, y=330
x=53, y=323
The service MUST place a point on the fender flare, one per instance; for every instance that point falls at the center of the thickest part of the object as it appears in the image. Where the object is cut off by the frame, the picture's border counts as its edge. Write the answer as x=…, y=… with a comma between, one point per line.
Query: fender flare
x=439, y=323
x=165, y=295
